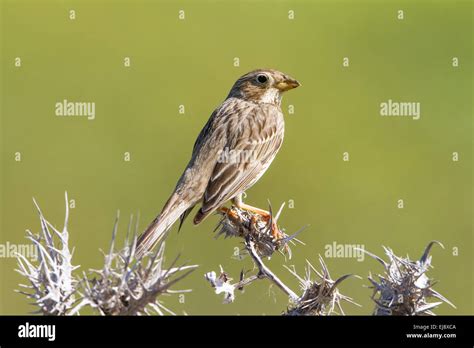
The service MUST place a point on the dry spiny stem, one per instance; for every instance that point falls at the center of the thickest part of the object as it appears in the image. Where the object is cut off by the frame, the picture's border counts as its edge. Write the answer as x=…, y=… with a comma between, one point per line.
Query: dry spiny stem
x=127, y=286
x=404, y=288
x=259, y=242
x=320, y=297
x=124, y=286
x=52, y=284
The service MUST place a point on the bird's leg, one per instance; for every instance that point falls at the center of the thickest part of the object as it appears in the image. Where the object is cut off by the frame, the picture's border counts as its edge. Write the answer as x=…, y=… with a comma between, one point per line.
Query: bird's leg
x=276, y=233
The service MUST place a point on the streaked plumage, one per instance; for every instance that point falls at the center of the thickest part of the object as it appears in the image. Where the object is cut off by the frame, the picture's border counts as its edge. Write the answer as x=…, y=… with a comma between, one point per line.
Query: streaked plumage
x=250, y=120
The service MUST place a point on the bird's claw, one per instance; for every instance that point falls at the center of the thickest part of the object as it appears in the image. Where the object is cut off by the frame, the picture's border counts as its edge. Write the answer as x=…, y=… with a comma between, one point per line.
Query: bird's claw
x=230, y=213
x=259, y=216
x=275, y=231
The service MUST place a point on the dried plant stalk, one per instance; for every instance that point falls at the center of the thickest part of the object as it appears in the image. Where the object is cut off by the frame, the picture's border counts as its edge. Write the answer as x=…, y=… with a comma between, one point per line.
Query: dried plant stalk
x=318, y=298
x=52, y=284
x=124, y=286
x=404, y=288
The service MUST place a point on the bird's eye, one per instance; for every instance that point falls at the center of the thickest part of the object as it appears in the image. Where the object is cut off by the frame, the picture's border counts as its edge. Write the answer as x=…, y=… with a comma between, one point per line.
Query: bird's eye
x=262, y=78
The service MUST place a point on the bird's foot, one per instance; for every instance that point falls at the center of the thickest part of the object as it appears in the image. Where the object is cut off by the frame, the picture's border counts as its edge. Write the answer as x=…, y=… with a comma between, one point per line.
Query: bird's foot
x=274, y=229
x=257, y=216
x=267, y=217
x=230, y=213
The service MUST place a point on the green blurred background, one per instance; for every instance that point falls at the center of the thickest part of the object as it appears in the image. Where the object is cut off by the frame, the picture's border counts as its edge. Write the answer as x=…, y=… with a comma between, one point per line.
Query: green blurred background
x=190, y=62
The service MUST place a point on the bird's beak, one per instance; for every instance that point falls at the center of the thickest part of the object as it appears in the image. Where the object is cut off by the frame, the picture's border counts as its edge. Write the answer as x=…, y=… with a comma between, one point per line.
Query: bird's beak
x=287, y=84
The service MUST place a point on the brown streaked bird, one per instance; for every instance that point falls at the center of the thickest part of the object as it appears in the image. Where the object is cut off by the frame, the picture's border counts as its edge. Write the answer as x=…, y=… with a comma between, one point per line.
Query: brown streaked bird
x=249, y=126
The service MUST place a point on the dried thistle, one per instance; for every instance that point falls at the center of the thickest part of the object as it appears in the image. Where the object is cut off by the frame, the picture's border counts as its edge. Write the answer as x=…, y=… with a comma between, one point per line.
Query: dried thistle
x=124, y=286
x=319, y=297
x=52, y=284
x=260, y=241
x=404, y=288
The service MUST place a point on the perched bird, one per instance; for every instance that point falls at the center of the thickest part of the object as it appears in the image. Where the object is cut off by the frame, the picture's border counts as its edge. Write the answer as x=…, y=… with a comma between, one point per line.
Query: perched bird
x=233, y=150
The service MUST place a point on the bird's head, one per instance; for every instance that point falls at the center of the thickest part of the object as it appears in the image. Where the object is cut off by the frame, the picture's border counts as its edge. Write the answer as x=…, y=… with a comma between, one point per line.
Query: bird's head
x=263, y=86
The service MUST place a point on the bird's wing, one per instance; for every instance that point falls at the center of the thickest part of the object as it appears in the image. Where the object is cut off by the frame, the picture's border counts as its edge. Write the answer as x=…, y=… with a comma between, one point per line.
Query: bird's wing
x=193, y=182
x=254, y=142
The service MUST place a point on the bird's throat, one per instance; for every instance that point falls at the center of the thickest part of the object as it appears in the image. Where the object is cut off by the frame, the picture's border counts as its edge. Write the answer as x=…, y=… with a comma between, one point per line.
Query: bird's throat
x=271, y=96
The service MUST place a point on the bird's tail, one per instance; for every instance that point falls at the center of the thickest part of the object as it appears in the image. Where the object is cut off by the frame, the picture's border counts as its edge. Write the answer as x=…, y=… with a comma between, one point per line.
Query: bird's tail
x=157, y=230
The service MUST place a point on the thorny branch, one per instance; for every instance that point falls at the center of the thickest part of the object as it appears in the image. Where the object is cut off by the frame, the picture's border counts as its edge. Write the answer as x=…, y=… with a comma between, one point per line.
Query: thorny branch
x=318, y=298
x=124, y=285
x=265, y=272
x=402, y=290
x=127, y=286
